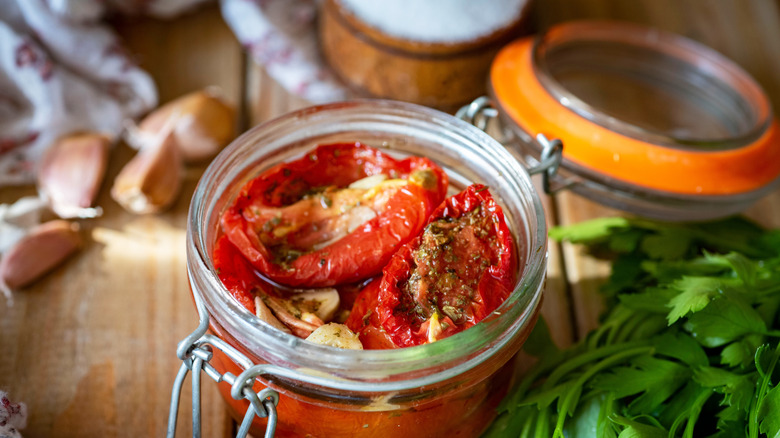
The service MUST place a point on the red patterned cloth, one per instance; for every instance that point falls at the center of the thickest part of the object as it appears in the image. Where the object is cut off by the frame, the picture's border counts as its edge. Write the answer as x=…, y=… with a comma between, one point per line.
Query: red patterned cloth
x=281, y=36
x=13, y=417
x=62, y=71
x=57, y=76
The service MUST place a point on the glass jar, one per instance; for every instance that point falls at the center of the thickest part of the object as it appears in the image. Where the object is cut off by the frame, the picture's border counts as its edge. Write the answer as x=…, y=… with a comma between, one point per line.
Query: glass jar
x=651, y=122
x=447, y=388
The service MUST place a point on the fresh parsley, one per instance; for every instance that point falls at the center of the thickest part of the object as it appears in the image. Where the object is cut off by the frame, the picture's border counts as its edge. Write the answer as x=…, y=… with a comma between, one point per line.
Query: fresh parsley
x=688, y=346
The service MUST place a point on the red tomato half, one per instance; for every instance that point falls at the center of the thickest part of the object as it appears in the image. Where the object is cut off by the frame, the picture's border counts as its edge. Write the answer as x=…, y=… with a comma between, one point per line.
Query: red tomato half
x=452, y=275
x=317, y=221
x=364, y=319
x=235, y=272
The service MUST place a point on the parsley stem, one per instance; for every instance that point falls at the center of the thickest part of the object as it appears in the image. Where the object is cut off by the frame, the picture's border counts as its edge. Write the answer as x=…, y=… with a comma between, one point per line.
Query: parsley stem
x=726, y=244
x=693, y=413
x=527, y=424
x=587, y=357
x=772, y=333
x=755, y=404
x=543, y=424
x=604, y=363
x=769, y=291
x=532, y=376
x=606, y=411
x=617, y=318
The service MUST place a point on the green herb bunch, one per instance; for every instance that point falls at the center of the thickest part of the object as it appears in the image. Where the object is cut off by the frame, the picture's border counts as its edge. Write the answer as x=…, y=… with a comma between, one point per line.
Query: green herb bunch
x=688, y=347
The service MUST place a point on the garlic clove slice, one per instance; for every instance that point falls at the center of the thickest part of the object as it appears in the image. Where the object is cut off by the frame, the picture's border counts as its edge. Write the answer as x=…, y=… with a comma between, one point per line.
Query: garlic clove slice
x=434, y=328
x=285, y=312
x=71, y=173
x=336, y=335
x=322, y=302
x=368, y=182
x=151, y=180
x=264, y=313
x=44, y=247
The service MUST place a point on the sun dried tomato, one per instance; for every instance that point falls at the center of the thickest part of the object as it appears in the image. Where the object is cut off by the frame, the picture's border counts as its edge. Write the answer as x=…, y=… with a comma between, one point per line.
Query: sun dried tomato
x=334, y=216
x=235, y=272
x=451, y=276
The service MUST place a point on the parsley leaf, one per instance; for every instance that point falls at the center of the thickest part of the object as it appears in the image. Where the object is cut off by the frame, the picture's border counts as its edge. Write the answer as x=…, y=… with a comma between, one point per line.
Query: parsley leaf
x=770, y=412
x=738, y=389
x=626, y=273
x=635, y=429
x=744, y=268
x=732, y=234
x=689, y=345
x=667, y=244
x=724, y=320
x=597, y=230
x=652, y=299
x=655, y=379
x=679, y=346
x=740, y=353
x=697, y=292
x=669, y=270
x=761, y=409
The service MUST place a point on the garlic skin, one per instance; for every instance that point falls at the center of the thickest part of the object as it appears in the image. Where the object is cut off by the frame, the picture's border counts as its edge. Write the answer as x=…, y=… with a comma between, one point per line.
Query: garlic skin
x=203, y=124
x=291, y=317
x=17, y=218
x=299, y=313
x=151, y=181
x=71, y=173
x=44, y=247
x=264, y=313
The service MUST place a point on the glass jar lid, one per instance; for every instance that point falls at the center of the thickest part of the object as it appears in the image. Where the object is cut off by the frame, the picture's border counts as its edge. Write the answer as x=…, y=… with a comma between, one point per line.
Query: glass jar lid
x=651, y=122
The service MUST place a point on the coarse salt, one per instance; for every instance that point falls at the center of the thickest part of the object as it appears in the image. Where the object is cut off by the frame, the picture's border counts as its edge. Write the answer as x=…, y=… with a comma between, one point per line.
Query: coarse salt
x=437, y=21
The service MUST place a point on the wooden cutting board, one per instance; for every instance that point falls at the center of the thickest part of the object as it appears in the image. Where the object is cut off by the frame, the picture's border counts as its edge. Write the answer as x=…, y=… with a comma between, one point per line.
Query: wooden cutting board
x=91, y=347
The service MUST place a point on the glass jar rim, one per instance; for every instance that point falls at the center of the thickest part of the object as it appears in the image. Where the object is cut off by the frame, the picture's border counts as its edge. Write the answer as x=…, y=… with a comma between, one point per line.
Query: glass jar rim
x=406, y=367
x=597, y=149
x=700, y=59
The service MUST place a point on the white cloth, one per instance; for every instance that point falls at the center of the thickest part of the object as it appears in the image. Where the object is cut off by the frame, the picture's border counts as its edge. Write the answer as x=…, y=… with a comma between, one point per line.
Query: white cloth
x=61, y=71
x=281, y=36
x=13, y=416
x=59, y=76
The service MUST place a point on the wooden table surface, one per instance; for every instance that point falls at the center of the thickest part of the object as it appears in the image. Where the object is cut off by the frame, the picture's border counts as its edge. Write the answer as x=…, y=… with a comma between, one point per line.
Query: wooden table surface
x=91, y=347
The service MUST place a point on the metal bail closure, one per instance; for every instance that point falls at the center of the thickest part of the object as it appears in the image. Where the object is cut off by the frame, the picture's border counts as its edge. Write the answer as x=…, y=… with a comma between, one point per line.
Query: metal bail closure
x=196, y=352
x=549, y=161
x=479, y=113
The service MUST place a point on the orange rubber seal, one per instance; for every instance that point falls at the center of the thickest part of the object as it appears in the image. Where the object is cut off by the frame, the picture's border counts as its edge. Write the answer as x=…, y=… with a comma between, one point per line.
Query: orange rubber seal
x=523, y=98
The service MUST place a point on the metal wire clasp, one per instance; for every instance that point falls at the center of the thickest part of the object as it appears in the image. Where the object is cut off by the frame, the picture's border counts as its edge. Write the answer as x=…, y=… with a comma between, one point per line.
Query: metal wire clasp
x=479, y=113
x=195, y=351
x=549, y=161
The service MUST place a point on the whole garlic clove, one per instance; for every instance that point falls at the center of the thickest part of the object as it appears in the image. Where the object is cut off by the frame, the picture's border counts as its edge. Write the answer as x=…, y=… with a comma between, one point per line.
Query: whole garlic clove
x=44, y=247
x=203, y=125
x=71, y=172
x=150, y=181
